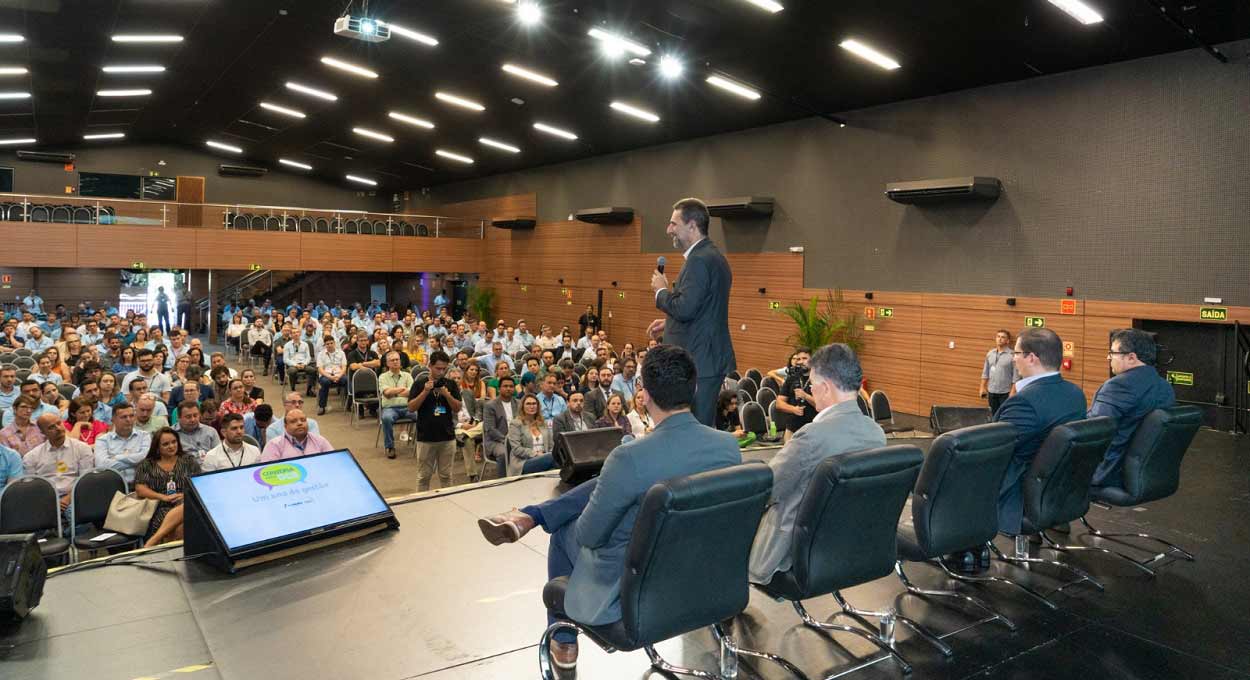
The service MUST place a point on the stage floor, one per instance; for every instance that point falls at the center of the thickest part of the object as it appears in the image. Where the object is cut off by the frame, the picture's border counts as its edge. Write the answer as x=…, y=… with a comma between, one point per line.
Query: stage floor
x=434, y=600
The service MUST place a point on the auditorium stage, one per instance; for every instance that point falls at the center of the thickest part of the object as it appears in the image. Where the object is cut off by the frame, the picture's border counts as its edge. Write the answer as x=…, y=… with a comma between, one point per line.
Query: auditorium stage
x=434, y=600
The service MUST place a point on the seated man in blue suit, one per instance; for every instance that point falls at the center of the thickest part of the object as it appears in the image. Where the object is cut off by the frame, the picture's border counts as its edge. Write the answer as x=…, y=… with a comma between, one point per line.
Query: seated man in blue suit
x=1135, y=391
x=1043, y=400
x=590, y=526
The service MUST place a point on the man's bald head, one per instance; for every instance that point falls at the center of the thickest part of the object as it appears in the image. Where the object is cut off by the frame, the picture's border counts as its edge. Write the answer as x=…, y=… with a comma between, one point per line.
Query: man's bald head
x=50, y=425
x=296, y=423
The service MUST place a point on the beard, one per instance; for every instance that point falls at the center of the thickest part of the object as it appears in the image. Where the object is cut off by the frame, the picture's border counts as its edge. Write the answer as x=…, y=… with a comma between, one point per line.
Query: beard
x=677, y=244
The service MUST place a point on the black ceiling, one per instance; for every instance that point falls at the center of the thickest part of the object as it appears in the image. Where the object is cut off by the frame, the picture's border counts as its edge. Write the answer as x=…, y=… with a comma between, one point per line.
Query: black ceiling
x=237, y=53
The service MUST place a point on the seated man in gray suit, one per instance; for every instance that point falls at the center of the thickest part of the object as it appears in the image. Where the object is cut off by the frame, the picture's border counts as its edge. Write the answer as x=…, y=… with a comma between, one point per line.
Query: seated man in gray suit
x=496, y=414
x=574, y=419
x=1135, y=391
x=839, y=427
x=590, y=526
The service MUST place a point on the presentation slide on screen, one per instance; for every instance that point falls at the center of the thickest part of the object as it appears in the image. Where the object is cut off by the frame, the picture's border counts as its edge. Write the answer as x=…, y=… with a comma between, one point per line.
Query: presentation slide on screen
x=255, y=504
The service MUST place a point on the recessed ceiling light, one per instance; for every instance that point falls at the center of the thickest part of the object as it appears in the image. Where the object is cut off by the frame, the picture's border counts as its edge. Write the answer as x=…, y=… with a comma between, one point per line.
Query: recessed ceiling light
x=454, y=156
x=295, y=164
x=14, y=95
x=1079, y=11
x=868, y=53
x=529, y=75
x=138, y=68
x=13, y=71
x=24, y=140
x=304, y=89
x=350, y=68
x=224, y=147
x=671, y=67
x=410, y=34
x=411, y=120
x=498, y=145
x=147, y=38
x=366, y=132
x=124, y=93
x=635, y=112
x=769, y=5
x=543, y=127
x=282, y=110
x=730, y=86
x=615, y=45
x=361, y=180
x=459, y=101
x=11, y=38
x=529, y=12
x=105, y=135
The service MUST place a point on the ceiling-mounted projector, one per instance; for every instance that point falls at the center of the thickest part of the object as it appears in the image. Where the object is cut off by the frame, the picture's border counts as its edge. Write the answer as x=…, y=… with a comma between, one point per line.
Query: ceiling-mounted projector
x=361, y=28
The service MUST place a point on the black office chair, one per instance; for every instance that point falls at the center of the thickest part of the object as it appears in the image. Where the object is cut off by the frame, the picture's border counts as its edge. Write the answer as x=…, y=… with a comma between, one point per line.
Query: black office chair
x=304, y=225
x=381, y=228
x=685, y=567
x=844, y=535
x=241, y=221
x=423, y=230
x=755, y=419
x=407, y=229
x=258, y=222
x=273, y=223
x=366, y=227
x=771, y=383
x=1056, y=489
x=363, y=381
x=40, y=213
x=63, y=214
x=879, y=404
x=749, y=386
x=755, y=375
x=30, y=505
x=93, y=493
x=289, y=223
x=1152, y=470
x=734, y=375
x=24, y=361
x=351, y=227
x=765, y=397
x=322, y=225
x=83, y=215
x=67, y=390
x=863, y=405
x=744, y=398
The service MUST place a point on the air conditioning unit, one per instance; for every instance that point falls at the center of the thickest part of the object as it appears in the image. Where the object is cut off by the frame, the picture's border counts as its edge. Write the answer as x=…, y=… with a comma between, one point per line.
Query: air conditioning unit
x=741, y=206
x=228, y=170
x=46, y=157
x=514, y=222
x=951, y=189
x=606, y=215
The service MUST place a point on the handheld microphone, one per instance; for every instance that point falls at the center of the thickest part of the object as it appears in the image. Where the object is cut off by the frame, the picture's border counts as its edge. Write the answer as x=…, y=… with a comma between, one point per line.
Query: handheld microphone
x=660, y=262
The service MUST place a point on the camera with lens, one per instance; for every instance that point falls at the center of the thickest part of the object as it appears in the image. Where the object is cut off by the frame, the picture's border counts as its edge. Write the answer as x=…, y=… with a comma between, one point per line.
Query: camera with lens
x=802, y=375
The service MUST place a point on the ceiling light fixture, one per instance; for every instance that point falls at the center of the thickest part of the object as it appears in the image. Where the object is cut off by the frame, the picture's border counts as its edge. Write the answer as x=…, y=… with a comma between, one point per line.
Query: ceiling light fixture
x=769, y=5
x=459, y=101
x=11, y=38
x=454, y=156
x=543, y=127
x=635, y=112
x=615, y=45
x=223, y=147
x=411, y=34
x=730, y=86
x=350, y=68
x=295, y=164
x=146, y=38
x=498, y=145
x=671, y=67
x=366, y=132
x=411, y=120
x=24, y=140
x=361, y=180
x=140, y=68
x=13, y=71
x=529, y=13
x=1078, y=10
x=868, y=53
x=282, y=110
x=105, y=135
x=529, y=75
x=124, y=93
x=14, y=95
x=320, y=94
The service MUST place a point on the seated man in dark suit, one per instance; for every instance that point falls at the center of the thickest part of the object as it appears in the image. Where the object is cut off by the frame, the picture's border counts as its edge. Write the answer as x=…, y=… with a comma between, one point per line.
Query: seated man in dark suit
x=496, y=414
x=1043, y=400
x=574, y=419
x=1135, y=391
x=590, y=526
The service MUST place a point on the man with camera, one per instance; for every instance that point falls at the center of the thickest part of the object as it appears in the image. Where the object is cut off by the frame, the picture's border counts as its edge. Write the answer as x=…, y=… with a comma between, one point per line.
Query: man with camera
x=796, y=398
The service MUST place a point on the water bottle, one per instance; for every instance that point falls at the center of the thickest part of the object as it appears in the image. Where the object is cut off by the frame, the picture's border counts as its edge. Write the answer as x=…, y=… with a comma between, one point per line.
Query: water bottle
x=171, y=488
x=728, y=659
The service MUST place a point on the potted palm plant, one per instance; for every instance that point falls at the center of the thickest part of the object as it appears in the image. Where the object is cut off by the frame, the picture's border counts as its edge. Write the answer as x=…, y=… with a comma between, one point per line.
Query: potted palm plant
x=482, y=302
x=817, y=324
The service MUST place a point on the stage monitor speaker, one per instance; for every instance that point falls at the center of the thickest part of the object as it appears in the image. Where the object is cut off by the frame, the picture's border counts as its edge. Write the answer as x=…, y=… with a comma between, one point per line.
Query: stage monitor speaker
x=580, y=455
x=946, y=418
x=22, y=574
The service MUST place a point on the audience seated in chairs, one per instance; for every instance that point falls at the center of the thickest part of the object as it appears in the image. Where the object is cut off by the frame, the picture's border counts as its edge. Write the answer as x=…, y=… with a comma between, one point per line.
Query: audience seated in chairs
x=163, y=476
x=233, y=451
x=529, y=440
x=21, y=433
x=614, y=415
x=81, y=424
x=59, y=458
x=497, y=414
x=393, y=385
x=296, y=440
x=123, y=448
x=1135, y=390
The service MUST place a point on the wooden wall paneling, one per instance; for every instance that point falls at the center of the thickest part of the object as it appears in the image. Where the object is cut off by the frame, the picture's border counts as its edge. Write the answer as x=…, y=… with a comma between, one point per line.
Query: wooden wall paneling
x=1162, y=312
x=122, y=246
x=70, y=286
x=190, y=190
x=45, y=245
x=23, y=279
x=344, y=253
x=227, y=249
x=485, y=208
x=436, y=255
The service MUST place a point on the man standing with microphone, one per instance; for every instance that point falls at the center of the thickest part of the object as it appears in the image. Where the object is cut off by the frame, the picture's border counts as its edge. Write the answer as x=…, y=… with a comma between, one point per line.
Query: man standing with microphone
x=697, y=307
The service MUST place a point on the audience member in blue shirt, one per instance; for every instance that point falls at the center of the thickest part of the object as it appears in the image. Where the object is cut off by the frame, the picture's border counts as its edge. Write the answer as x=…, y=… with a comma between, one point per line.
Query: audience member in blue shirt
x=10, y=465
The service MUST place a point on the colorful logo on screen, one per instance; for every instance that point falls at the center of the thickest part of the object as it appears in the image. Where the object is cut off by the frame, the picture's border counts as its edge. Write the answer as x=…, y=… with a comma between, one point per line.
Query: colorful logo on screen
x=279, y=474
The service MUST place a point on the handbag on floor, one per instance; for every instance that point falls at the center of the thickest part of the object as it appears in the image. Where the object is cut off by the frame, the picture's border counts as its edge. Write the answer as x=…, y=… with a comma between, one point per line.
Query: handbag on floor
x=129, y=514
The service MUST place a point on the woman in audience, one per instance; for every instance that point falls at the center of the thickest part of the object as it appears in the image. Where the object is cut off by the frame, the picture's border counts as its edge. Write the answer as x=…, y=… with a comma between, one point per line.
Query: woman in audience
x=43, y=372
x=196, y=355
x=110, y=391
x=256, y=394
x=591, y=381
x=727, y=419
x=472, y=381
x=22, y=434
x=73, y=350
x=639, y=422
x=415, y=349
x=126, y=363
x=141, y=339
x=234, y=332
x=627, y=352
x=81, y=425
x=162, y=476
x=237, y=400
x=397, y=337
x=51, y=396
x=529, y=440
x=178, y=374
x=614, y=415
x=59, y=367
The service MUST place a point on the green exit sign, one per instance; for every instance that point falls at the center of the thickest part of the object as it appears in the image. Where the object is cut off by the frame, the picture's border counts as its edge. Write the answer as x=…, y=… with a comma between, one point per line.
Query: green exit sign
x=256, y=267
x=773, y=304
x=136, y=265
x=885, y=312
x=1035, y=321
x=1213, y=313
x=620, y=294
x=1181, y=378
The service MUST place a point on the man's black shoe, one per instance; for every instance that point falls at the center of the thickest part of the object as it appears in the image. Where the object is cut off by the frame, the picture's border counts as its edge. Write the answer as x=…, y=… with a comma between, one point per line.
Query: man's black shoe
x=321, y=411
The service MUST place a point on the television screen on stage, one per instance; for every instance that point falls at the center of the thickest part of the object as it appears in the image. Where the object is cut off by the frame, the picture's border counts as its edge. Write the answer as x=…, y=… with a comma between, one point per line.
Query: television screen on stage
x=271, y=503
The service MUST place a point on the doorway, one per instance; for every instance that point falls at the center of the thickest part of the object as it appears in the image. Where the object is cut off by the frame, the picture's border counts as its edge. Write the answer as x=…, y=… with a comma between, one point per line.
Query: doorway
x=1204, y=364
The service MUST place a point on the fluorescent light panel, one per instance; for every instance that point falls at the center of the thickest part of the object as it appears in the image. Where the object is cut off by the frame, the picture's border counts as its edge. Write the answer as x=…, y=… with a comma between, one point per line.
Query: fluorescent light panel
x=1079, y=11
x=125, y=93
x=105, y=135
x=459, y=101
x=304, y=89
x=529, y=13
x=282, y=110
x=454, y=156
x=731, y=86
x=14, y=95
x=618, y=43
x=527, y=74
x=223, y=147
x=634, y=111
x=24, y=140
x=147, y=38
x=769, y=5
x=868, y=53
x=11, y=38
x=350, y=68
x=136, y=68
x=295, y=164
x=671, y=67
x=411, y=120
x=543, y=127
x=13, y=71
x=498, y=145
x=361, y=180
x=410, y=34
x=366, y=132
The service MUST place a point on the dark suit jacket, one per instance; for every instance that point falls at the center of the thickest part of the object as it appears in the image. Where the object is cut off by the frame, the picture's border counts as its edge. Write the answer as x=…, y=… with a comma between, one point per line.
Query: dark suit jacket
x=1128, y=398
x=1042, y=405
x=697, y=309
x=564, y=423
x=596, y=403
x=495, y=428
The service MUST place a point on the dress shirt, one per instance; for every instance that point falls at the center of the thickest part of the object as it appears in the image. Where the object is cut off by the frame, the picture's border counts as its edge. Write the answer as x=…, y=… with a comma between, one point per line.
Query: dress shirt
x=390, y=380
x=22, y=440
x=490, y=361
x=295, y=353
x=158, y=383
x=551, y=406
x=60, y=465
x=222, y=457
x=1025, y=382
x=7, y=398
x=52, y=377
x=526, y=338
x=277, y=428
x=156, y=422
x=583, y=342
x=626, y=386
x=10, y=465
x=44, y=408
x=286, y=446
x=122, y=453
x=199, y=441
x=332, y=361
x=999, y=371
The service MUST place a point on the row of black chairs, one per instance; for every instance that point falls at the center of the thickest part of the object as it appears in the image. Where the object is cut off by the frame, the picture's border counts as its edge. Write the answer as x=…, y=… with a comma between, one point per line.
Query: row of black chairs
x=29, y=504
x=66, y=214
x=323, y=225
x=848, y=532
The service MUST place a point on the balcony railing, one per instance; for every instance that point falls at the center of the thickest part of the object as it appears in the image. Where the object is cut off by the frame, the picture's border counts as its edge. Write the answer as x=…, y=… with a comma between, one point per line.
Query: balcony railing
x=110, y=211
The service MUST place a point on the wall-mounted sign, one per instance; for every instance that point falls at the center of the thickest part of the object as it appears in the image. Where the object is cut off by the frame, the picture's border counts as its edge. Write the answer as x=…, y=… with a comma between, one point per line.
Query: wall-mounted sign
x=6, y=278
x=885, y=312
x=1181, y=378
x=1035, y=321
x=524, y=288
x=1067, y=306
x=1069, y=349
x=773, y=304
x=870, y=313
x=620, y=294
x=1213, y=313
x=136, y=265
x=256, y=267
